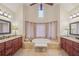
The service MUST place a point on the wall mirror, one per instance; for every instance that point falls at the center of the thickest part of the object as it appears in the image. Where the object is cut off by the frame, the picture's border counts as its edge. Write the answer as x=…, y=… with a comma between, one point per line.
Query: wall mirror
x=5, y=27
x=74, y=28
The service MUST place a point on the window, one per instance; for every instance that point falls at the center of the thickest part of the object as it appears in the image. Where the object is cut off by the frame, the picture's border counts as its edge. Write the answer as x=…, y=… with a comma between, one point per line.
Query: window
x=40, y=11
x=40, y=30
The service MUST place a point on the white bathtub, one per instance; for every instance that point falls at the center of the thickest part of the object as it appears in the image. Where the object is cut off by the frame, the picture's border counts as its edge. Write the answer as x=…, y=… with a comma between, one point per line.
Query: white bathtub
x=40, y=42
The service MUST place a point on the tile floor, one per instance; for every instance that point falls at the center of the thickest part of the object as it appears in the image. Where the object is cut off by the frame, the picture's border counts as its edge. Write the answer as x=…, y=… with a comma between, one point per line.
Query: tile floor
x=32, y=52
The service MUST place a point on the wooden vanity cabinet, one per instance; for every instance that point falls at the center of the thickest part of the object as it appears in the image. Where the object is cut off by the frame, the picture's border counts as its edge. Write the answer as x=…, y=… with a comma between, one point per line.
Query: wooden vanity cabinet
x=1, y=49
x=10, y=47
x=71, y=47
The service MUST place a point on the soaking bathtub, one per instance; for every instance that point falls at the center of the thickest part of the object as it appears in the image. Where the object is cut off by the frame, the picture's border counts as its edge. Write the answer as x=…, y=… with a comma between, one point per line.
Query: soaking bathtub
x=41, y=44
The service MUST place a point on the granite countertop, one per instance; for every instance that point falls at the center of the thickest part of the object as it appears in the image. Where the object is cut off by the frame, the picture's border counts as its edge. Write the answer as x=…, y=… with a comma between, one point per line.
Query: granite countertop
x=71, y=38
x=7, y=39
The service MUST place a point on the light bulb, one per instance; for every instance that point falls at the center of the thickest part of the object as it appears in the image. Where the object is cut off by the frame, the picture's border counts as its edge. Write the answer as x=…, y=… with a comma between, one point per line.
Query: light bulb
x=9, y=16
x=70, y=17
x=74, y=15
x=5, y=14
x=77, y=14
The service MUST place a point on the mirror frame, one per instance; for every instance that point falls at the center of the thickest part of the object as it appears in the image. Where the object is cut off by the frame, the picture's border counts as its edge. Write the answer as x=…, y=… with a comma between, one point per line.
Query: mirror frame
x=70, y=28
x=9, y=26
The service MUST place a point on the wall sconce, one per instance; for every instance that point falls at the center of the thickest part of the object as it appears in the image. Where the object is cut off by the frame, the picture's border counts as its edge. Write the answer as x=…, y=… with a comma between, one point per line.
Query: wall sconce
x=5, y=14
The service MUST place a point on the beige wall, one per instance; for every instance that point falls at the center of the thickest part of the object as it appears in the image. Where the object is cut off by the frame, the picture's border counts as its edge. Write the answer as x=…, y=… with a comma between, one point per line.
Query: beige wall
x=63, y=20
x=19, y=20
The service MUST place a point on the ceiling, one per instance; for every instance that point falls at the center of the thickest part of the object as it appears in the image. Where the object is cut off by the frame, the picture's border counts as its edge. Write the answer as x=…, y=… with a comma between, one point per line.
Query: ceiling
x=12, y=6
x=69, y=6
x=66, y=6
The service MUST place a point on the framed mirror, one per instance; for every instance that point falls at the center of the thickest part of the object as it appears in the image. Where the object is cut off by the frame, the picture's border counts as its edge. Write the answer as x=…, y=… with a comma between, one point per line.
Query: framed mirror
x=74, y=28
x=5, y=27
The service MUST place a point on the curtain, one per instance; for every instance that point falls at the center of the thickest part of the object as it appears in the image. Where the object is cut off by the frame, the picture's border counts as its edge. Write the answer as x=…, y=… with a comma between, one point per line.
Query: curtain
x=29, y=30
x=49, y=30
x=53, y=30
x=41, y=30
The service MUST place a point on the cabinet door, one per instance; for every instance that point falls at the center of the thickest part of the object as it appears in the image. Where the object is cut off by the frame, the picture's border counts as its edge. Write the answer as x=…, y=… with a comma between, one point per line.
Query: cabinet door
x=61, y=42
x=70, y=50
x=8, y=47
x=1, y=49
x=69, y=47
x=75, y=49
x=15, y=45
x=75, y=52
x=64, y=45
x=76, y=45
x=20, y=42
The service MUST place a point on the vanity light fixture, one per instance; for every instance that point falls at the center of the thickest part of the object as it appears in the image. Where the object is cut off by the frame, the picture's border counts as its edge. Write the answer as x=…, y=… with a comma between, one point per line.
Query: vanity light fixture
x=5, y=14
x=74, y=15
